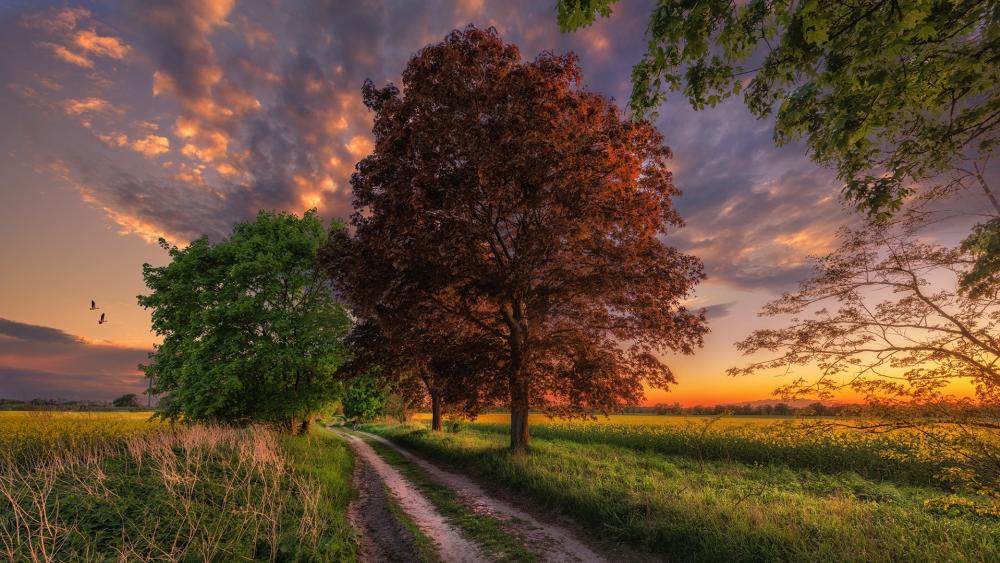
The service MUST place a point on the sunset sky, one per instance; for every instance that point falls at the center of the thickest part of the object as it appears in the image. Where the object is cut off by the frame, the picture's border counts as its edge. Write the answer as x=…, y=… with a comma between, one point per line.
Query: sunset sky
x=124, y=122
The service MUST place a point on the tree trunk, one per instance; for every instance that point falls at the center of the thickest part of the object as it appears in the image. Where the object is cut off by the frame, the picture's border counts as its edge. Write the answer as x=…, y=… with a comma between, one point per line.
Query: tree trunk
x=435, y=411
x=519, y=434
x=519, y=382
x=304, y=425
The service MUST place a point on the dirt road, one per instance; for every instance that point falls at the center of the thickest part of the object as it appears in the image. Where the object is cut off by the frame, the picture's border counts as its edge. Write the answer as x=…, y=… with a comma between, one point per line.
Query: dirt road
x=551, y=542
x=384, y=540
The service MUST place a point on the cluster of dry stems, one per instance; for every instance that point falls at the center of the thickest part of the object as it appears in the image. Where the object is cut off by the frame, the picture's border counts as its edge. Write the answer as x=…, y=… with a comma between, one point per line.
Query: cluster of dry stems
x=246, y=470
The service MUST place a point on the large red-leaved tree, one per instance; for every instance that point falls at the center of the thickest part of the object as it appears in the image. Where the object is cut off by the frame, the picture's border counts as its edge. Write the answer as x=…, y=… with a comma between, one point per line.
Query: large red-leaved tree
x=510, y=199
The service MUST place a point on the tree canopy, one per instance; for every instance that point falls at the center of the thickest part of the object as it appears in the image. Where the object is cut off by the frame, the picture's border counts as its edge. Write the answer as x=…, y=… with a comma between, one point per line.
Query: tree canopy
x=409, y=340
x=889, y=93
x=365, y=397
x=250, y=328
x=503, y=195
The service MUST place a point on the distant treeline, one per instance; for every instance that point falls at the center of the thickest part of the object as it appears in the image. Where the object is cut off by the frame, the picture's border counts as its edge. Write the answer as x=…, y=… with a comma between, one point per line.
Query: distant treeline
x=60, y=404
x=767, y=409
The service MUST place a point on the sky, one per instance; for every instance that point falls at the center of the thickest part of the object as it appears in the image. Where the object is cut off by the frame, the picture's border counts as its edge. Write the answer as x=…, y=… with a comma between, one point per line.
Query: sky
x=123, y=122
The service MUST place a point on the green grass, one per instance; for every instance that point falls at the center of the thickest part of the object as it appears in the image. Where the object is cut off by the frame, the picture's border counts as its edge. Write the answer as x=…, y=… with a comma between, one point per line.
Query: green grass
x=485, y=530
x=690, y=508
x=885, y=457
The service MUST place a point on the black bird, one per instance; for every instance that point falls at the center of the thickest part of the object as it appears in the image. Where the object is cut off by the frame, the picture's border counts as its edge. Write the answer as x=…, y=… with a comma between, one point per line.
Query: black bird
x=102, y=321
x=93, y=306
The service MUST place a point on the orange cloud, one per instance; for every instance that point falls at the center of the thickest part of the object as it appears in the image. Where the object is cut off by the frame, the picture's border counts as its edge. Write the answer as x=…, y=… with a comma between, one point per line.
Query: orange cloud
x=359, y=146
x=101, y=45
x=75, y=46
x=128, y=224
x=86, y=105
x=57, y=20
x=65, y=55
x=149, y=146
x=204, y=144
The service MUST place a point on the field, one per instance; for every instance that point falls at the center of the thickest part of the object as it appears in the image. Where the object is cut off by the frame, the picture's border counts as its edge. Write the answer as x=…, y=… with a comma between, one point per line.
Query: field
x=697, y=488
x=100, y=486
x=103, y=486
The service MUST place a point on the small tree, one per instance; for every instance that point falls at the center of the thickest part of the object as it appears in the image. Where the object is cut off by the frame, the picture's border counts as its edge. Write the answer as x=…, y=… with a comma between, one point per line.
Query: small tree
x=250, y=329
x=365, y=398
x=129, y=400
x=516, y=202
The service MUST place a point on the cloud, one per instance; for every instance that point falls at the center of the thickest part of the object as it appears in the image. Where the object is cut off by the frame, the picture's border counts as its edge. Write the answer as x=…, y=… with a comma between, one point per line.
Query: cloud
x=719, y=310
x=754, y=213
x=178, y=35
x=45, y=362
x=359, y=146
x=76, y=37
x=56, y=20
x=62, y=53
x=150, y=145
x=266, y=113
x=89, y=41
x=254, y=33
x=35, y=333
x=86, y=105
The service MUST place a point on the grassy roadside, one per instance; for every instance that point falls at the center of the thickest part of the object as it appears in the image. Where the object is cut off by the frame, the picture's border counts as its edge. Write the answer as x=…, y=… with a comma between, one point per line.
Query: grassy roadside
x=325, y=459
x=716, y=510
x=485, y=530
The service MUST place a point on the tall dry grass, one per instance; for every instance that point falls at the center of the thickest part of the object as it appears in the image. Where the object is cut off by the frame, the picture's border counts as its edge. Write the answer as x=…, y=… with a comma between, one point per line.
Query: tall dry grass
x=189, y=493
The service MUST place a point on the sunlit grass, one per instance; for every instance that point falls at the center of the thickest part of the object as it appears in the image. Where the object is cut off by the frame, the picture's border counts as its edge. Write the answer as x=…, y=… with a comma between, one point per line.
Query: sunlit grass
x=821, y=444
x=697, y=507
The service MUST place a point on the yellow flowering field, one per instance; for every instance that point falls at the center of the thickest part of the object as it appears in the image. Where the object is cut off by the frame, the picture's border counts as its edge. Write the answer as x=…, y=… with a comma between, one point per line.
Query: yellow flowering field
x=625, y=420
x=26, y=434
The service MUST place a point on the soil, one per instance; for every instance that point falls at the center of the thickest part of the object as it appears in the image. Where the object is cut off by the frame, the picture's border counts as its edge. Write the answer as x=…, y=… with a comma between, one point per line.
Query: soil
x=382, y=537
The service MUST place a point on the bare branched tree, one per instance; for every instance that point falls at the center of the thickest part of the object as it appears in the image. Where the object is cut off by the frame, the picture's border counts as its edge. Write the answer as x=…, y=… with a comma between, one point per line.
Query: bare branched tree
x=885, y=316
x=901, y=328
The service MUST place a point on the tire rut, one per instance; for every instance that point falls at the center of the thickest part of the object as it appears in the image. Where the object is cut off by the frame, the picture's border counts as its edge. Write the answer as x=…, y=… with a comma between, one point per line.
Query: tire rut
x=382, y=537
x=450, y=543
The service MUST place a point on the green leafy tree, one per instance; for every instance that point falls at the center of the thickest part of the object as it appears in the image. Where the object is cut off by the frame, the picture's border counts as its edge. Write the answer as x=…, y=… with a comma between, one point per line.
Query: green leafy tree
x=250, y=328
x=894, y=95
x=365, y=398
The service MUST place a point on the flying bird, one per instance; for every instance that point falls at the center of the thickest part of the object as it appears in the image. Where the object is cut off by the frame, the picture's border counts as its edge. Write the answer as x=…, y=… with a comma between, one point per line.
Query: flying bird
x=93, y=305
x=102, y=321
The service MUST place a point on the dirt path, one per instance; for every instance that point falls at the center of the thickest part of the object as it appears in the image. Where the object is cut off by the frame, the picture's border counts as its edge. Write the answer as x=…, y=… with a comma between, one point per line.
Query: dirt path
x=382, y=537
x=385, y=542
x=552, y=542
